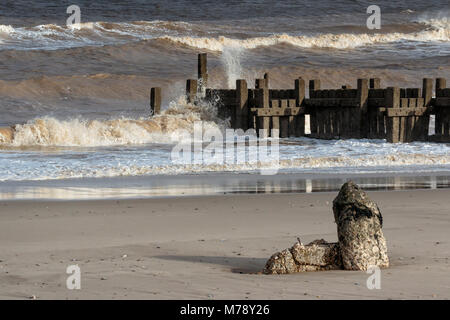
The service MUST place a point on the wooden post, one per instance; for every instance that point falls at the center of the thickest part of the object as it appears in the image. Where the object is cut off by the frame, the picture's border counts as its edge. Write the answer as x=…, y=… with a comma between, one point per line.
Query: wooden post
x=275, y=126
x=313, y=86
x=202, y=71
x=263, y=124
x=438, y=125
x=375, y=83
x=260, y=83
x=262, y=98
x=191, y=90
x=266, y=79
x=155, y=100
x=241, y=104
x=299, y=91
x=299, y=125
x=363, y=96
x=392, y=100
x=284, y=127
x=427, y=91
x=441, y=83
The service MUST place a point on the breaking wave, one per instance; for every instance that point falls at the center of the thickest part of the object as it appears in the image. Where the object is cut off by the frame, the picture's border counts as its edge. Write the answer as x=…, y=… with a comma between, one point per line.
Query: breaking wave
x=170, y=125
x=438, y=30
x=100, y=33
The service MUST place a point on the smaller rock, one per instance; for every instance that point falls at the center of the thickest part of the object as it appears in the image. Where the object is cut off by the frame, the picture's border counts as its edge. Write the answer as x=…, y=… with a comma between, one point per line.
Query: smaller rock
x=315, y=256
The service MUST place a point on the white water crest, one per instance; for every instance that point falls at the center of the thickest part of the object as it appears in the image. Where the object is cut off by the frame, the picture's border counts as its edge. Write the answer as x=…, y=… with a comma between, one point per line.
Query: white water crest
x=179, y=117
x=231, y=60
x=53, y=36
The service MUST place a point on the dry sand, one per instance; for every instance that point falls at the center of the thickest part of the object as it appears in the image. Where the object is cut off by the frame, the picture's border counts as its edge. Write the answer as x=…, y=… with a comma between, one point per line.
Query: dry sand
x=205, y=247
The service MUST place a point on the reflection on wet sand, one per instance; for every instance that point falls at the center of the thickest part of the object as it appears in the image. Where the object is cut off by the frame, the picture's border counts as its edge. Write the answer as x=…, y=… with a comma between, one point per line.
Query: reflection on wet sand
x=209, y=185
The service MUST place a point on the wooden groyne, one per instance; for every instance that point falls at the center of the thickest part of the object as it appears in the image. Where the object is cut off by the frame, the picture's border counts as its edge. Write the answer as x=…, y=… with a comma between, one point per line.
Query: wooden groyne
x=367, y=111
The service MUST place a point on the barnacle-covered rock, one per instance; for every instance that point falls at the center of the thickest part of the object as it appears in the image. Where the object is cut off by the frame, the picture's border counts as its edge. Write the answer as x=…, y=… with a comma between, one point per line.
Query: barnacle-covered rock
x=361, y=241
x=359, y=223
x=315, y=256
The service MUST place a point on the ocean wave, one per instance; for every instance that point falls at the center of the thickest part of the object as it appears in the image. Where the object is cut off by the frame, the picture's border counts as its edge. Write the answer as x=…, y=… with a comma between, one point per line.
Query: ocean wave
x=168, y=127
x=184, y=33
x=375, y=163
x=439, y=30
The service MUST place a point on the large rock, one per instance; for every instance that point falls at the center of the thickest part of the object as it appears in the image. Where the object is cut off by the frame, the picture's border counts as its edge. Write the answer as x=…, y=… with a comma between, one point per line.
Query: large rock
x=315, y=256
x=359, y=222
x=361, y=241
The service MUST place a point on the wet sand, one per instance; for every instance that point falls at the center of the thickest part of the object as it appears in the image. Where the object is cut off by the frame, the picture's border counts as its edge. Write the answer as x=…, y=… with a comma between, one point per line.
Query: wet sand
x=208, y=247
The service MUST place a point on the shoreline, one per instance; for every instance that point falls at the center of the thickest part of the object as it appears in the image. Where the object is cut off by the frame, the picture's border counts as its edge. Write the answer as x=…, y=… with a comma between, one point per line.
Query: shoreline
x=172, y=186
x=180, y=248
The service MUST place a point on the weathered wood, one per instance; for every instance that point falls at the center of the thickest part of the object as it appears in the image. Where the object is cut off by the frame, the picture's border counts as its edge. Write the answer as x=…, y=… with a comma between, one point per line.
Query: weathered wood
x=275, y=127
x=155, y=100
x=392, y=100
x=375, y=83
x=284, y=127
x=264, y=125
x=405, y=112
x=363, y=97
x=441, y=83
x=191, y=90
x=266, y=79
x=260, y=84
x=242, y=109
x=427, y=91
x=275, y=110
x=442, y=102
x=262, y=98
x=299, y=91
x=300, y=125
x=292, y=124
x=202, y=71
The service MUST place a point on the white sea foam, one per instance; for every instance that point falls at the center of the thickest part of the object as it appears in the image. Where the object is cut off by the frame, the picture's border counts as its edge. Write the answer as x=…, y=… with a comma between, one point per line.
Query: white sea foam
x=6, y=29
x=336, y=41
x=231, y=60
x=49, y=131
x=54, y=36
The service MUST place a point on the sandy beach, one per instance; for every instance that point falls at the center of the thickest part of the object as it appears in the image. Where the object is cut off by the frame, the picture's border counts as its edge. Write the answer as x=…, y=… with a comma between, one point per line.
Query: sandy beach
x=210, y=247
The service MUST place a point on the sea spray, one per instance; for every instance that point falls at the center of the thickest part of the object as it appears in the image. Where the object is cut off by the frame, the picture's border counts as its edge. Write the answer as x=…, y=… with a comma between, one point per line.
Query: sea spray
x=48, y=131
x=231, y=61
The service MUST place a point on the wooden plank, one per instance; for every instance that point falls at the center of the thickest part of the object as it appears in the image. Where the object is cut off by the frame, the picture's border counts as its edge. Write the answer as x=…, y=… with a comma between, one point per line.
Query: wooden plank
x=191, y=90
x=275, y=111
x=299, y=125
x=275, y=126
x=427, y=91
x=241, y=104
x=442, y=102
x=332, y=102
x=202, y=71
x=299, y=91
x=262, y=98
x=381, y=125
x=335, y=123
x=405, y=112
x=284, y=127
x=263, y=124
x=292, y=124
x=155, y=100
x=327, y=124
x=393, y=124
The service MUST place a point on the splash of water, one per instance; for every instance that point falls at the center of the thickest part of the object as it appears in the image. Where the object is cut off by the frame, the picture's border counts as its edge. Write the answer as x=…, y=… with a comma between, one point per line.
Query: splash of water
x=231, y=61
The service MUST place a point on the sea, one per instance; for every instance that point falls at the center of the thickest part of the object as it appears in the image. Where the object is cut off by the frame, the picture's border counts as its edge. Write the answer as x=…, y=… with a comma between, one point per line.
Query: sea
x=76, y=97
